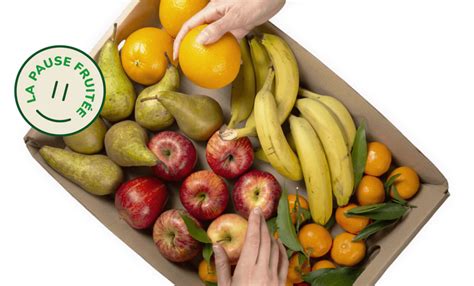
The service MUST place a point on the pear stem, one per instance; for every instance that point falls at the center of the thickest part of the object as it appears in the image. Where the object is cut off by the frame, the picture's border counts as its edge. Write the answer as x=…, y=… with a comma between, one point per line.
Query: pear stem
x=168, y=59
x=150, y=98
x=114, y=34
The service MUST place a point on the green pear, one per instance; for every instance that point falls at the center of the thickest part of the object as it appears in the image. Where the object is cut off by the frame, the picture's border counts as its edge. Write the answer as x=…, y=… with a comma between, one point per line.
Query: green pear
x=125, y=143
x=151, y=114
x=198, y=116
x=96, y=174
x=88, y=141
x=119, y=91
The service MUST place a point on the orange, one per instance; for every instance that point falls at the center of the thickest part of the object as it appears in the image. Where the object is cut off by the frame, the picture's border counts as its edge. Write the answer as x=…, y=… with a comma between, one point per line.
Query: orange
x=379, y=159
x=315, y=239
x=303, y=203
x=174, y=13
x=350, y=224
x=295, y=270
x=346, y=252
x=207, y=272
x=370, y=191
x=211, y=66
x=323, y=264
x=407, y=183
x=143, y=55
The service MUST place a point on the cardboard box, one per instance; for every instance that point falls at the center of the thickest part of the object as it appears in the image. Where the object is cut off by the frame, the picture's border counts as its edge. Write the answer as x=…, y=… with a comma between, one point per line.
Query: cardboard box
x=314, y=76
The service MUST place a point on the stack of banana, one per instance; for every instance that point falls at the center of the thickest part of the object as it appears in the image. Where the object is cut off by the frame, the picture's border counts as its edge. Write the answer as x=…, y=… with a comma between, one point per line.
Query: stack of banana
x=318, y=147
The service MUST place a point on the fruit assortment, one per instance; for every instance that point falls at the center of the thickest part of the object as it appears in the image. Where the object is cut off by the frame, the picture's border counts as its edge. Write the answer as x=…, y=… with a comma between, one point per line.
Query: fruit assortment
x=345, y=177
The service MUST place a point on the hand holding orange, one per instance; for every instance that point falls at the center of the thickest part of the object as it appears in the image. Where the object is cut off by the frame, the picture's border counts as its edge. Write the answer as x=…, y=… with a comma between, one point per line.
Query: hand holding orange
x=211, y=66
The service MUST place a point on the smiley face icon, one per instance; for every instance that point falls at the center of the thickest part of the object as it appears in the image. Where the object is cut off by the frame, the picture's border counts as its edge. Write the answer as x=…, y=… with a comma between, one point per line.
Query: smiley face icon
x=59, y=90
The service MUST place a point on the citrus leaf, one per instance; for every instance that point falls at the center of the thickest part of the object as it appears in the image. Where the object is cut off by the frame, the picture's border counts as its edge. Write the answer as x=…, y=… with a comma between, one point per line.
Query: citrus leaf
x=207, y=252
x=195, y=230
x=373, y=228
x=389, y=183
x=359, y=153
x=386, y=211
x=397, y=199
x=289, y=253
x=342, y=276
x=330, y=223
x=271, y=224
x=286, y=229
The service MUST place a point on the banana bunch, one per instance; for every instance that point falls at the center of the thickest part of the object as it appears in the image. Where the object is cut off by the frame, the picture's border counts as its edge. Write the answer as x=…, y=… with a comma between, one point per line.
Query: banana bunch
x=243, y=88
x=271, y=136
x=286, y=80
x=315, y=169
x=332, y=136
x=339, y=110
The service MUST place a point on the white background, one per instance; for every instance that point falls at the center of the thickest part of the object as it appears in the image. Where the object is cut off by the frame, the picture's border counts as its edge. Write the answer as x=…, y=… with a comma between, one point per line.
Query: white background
x=413, y=60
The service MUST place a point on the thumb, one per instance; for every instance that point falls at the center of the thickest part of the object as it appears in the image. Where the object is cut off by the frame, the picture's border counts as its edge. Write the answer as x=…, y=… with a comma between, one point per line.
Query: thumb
x=222, y=266
x=214, y=31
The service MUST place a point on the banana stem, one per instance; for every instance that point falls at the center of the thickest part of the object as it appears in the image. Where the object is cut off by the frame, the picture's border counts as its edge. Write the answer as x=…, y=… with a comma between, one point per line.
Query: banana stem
x=234, y=134
x=269, y=80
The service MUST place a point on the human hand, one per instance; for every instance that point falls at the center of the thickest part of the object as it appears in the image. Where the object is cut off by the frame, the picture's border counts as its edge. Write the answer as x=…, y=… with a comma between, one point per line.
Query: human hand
x=235, y=16
x=263, y=260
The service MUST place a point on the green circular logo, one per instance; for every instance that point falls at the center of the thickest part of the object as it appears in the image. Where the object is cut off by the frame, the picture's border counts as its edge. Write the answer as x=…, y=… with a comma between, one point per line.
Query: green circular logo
x=60, y=90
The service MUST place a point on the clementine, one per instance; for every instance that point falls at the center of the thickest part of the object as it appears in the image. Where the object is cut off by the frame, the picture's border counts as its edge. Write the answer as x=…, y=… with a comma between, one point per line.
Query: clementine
x=347, y=252
x=315, y=239
x=379, y=159
x=407, y=183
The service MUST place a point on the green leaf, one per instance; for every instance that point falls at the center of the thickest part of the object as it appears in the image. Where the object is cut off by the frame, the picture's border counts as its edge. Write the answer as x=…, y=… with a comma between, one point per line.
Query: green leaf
x=305, y=214
x=397, y=199
x=389, y=183
x=286, y=229
x=297, y=208
x=195, y=230
x=290, y=253
x=385, y=211
x=342, y=276
x=210, y=283
x=330, y=223
x=272, y=226
x=207, y=252
x=373, y=228
x=359, y=153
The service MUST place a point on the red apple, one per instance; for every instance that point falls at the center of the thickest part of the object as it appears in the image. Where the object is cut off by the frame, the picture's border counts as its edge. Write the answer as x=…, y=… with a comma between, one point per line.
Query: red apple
x=140, y=201
x=176, y=153
x=229, y=230
x=172, y=238
x=204, y=195
x=256, y=189
x=229, y=159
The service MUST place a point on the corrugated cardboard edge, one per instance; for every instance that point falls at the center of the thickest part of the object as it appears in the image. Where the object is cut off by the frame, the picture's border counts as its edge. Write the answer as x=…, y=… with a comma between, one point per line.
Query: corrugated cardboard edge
x=436, y=191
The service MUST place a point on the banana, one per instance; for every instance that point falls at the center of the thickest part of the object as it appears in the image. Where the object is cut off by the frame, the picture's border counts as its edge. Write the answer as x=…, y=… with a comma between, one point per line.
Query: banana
x=261, y=62
x=243, y=88
x=341, y=112
x=315, y=169
x=331, y=135
x=259, y=154
x=271, y=136
x=286, y=84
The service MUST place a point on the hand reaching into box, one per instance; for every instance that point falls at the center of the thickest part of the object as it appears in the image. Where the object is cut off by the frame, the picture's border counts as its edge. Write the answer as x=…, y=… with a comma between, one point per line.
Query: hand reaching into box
x=235, y=16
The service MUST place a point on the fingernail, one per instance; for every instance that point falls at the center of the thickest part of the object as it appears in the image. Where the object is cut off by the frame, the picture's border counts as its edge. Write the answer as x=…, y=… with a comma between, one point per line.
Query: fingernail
x=257, y=210
x=215, y=247
x=202, y=38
